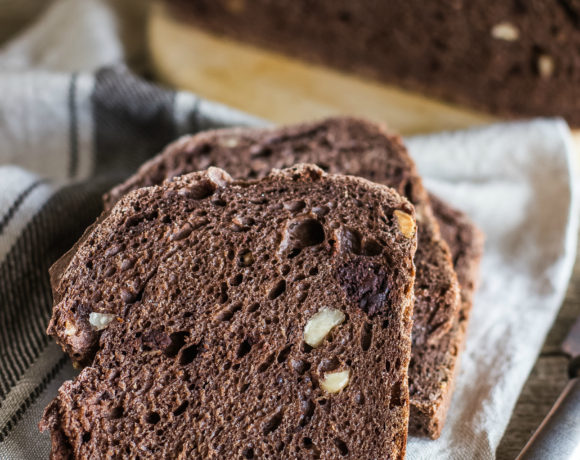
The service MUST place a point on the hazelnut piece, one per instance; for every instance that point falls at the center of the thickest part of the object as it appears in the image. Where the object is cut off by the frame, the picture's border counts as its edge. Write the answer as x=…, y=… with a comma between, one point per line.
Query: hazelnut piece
x=320, y=324
x=505, y=31
x=100, y=321
x=406, y=224
x=69, y=328
x=219, y=176
x=545, y=66
x=333, y=382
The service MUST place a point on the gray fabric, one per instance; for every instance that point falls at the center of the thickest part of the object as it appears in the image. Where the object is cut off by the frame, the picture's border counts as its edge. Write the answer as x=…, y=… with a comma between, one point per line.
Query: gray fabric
x=66, y=139
x=130, y=120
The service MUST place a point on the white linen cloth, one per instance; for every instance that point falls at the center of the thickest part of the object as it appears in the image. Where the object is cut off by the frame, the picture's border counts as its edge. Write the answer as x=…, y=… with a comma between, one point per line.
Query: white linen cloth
x=515, y=180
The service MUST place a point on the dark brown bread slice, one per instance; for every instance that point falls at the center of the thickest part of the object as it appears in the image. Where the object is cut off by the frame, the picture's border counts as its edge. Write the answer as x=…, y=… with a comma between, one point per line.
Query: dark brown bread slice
x=509, y=57
x=430, y=402
x=339, y=145
x=210, y=285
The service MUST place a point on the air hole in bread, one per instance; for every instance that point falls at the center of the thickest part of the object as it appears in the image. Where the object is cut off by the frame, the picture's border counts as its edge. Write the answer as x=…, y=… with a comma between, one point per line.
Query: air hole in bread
x=293, y=253
x=177, y=340
x=300, y=366
x=267, y=363
x=205, y=149
x=223, y=294
x=396, y=396
x=303, y=233
x=248, y=452
x=277, y=290
x=189, y=354
x=320, y=211
x=86, y=436
x=366, y=336
x=237, y=280
x=328, y=365
x=283, y=355
x=152, y=418
x=244, y=349
x=218, y=202
x=260, y=152
x=295, y=206
x=371, y=248
x=227, y=313
x=198, y=190
x=254, y=307
x=341, y=446
x=273, y=423
x=182, y=233
x=301, y=296
x=181, y=409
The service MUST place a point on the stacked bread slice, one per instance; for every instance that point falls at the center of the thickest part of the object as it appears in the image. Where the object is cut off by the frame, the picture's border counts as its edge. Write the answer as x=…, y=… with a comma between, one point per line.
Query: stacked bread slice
x=268, y=315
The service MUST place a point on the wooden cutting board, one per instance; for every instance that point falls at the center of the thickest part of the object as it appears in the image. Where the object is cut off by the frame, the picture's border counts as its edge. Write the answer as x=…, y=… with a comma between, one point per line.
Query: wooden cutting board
x=286, y=90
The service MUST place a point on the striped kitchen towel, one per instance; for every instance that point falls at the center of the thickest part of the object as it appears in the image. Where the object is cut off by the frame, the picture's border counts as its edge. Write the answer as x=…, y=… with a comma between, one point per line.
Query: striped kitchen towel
x=73, y=122
x=66, y=139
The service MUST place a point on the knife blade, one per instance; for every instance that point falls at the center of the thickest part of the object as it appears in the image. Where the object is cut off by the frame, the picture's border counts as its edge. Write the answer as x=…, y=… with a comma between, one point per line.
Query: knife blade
x=558, y=436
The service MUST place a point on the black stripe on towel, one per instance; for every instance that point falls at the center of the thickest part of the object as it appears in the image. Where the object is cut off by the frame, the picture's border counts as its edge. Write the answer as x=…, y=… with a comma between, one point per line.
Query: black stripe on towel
x=32, y=396
x=26, y=301
x=13, y=209
x=73, y=127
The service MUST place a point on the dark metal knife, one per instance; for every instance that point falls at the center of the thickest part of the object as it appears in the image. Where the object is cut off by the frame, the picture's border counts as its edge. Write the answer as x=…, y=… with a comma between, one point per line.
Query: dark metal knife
x=558, y=436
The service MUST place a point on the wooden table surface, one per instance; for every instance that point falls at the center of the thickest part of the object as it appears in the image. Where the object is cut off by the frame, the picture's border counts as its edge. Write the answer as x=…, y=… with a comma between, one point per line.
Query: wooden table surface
x=285, y=90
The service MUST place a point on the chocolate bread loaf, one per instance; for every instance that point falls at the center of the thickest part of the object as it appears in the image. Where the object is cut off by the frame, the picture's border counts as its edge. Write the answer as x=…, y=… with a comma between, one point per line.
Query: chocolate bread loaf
x=339, y=145
x=512, y=57
x=438, y=364
x=261, y=319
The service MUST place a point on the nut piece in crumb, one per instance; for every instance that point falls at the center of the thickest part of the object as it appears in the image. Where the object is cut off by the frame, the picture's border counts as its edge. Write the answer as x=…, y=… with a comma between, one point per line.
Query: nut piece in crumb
x=335, y=381
x=229, y=142
x=545, y=66
x=406, y=224
x=219, y=176
x=321, y=323
x=505, y=31
x=70, y=328
x=100, y=321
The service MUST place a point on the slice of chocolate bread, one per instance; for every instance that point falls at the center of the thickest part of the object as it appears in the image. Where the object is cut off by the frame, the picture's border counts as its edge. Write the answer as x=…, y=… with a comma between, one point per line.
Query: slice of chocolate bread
x=261, y=319
x=339, y=145
x=437, y=367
